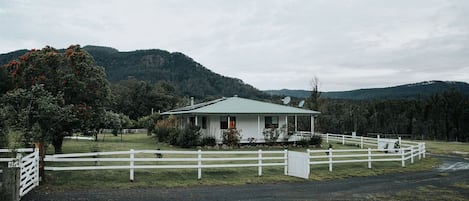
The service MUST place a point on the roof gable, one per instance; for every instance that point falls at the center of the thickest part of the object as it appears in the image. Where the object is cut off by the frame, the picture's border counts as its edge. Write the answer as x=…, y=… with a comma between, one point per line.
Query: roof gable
x=236, y=105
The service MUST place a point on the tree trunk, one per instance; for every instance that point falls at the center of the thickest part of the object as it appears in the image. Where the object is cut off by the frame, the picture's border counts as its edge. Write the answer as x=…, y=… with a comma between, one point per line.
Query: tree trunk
x=57, y=142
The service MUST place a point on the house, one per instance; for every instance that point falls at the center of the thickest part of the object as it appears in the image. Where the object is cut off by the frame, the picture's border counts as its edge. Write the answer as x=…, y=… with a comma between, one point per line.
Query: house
x=250, y=117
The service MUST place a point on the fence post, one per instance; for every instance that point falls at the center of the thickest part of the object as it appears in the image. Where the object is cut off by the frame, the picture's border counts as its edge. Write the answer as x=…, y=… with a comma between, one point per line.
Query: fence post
x=377, y=142
x=132, y=165
x=327, y=137
x=343, y=139
x=403, y=157
x=330, y=159
x=423, y=149
x=420, y=151
x=10, y=188
x=199, y=164
x=361, y=142
x=260, y=162
x=36, y=165
x=369, y=157
x=412, y=154
x=285, y=155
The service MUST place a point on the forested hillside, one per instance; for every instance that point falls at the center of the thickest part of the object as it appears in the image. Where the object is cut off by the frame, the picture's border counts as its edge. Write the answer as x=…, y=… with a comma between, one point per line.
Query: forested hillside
x=187, y=76
x=408, y=91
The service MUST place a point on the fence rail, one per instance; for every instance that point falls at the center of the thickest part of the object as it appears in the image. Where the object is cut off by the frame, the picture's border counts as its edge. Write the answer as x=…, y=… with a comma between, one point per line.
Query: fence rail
x=407, y=150
x=185, y=159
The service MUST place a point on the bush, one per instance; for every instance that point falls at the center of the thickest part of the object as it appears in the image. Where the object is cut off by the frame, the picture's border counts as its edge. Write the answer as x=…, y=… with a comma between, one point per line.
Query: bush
x=303, y=142
x=208, y=141
x=189, y=137
x=315, y=140
x=163, y=134
x=271, y=135
x=231, y=137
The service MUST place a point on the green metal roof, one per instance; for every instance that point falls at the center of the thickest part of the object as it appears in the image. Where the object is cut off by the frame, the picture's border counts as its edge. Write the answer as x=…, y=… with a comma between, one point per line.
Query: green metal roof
x=237, y=105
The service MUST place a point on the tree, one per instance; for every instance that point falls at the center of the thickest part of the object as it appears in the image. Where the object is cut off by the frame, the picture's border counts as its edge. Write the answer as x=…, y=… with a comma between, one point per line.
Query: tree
x=72, y=83
x=314, y=98
x=137, y=98
x=35, y=112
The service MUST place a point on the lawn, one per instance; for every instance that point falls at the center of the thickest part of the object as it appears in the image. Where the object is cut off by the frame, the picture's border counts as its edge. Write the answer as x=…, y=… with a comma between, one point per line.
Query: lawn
x=440, y=147
x=63, y=180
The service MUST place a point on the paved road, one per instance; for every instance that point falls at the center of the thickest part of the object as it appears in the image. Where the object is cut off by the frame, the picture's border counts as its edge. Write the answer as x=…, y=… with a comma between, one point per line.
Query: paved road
x=358, y=188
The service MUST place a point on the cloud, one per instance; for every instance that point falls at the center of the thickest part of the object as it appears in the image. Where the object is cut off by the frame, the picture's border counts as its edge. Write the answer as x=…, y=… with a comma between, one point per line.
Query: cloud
x=267, y=43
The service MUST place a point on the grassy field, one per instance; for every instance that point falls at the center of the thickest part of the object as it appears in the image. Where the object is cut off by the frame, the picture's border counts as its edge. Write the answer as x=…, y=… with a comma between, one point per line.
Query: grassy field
x=440, y=147
x=428, y=193
x=62, y=180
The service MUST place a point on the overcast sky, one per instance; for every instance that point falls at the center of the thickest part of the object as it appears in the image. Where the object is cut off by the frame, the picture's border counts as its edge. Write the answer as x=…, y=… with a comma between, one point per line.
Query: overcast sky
x=346, y=44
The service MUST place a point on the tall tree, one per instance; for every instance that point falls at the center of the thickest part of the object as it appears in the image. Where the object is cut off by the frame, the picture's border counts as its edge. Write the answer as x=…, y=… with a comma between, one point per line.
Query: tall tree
x=314, y=98
x=71, y=76
x=137, y=98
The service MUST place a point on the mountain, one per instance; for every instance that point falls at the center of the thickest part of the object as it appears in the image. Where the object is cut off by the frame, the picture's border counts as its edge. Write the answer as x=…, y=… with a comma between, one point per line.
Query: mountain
x=189, y=77
x=186, y=75
x=408, y=91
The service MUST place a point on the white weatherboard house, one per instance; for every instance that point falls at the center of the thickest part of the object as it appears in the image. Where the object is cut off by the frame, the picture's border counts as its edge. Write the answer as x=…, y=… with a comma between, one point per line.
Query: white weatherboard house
x=251, y=117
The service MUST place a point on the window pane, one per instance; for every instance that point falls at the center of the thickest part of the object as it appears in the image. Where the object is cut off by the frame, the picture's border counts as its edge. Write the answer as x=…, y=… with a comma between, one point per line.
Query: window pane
x=204, y=122
x=232, y=122
x=271, y=122
x=223, y=122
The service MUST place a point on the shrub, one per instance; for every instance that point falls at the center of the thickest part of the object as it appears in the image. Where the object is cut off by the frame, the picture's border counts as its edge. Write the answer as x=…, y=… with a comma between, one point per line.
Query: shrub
x=271, y=134
x=315, y=140
x=303, y=142
x=163, y=134
x=231, y=137
x=208, y=141
x=189, y=137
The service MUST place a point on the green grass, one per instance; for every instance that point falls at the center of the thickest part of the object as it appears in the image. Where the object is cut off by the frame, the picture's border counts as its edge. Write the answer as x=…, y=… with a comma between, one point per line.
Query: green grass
x=428, y=193
x=63, y=180
x=440, y=147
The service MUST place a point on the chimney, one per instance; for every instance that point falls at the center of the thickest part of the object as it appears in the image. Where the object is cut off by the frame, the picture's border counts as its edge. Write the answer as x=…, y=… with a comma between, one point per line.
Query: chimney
x=192, y=101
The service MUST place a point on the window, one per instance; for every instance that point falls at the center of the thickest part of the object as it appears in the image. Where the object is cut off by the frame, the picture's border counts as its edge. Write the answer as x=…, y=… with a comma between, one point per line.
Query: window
x=204, y=122
x=271, y=122
x=232, y=122
x=192, y=121
x=224, y=124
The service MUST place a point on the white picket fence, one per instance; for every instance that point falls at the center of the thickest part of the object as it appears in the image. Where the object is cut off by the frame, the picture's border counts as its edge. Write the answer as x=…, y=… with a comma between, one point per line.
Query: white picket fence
x=29, y=167
x=408, y=150
x=171, y=160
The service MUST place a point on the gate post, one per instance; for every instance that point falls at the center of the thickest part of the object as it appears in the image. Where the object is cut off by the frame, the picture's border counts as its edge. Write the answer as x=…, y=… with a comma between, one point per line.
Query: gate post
x=10, y=190
x=42, y=154
x=260, y=162
x=285, y=155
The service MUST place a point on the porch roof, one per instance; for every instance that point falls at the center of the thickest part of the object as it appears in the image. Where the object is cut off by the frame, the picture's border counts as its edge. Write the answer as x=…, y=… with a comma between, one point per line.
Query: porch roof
x=237, y=105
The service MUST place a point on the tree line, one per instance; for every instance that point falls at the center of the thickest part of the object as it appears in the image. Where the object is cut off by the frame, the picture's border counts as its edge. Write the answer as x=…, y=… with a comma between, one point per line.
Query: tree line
x=442, y=116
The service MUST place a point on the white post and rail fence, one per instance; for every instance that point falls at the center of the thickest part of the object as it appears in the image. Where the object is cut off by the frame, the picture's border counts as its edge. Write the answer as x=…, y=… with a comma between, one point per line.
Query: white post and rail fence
x=368, y=150
x=171, y=160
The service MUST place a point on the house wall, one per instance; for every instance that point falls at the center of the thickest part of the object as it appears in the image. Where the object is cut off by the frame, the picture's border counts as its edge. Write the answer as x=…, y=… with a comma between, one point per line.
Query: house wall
x=247, y=124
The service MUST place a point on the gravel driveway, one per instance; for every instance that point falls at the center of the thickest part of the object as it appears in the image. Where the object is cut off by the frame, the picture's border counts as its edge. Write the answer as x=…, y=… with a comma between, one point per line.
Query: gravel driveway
x=452, y=170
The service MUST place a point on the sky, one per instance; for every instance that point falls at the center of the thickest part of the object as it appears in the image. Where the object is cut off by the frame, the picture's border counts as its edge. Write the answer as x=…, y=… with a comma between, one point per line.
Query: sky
x=269, y=44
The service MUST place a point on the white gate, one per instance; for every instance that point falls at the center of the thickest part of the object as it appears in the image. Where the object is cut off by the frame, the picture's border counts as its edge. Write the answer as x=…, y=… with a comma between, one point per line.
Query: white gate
x=29, y=168
x=298, y=164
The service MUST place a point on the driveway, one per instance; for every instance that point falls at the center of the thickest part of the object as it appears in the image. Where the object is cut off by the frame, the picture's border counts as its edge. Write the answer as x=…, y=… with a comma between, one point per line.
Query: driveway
x=452, y=170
